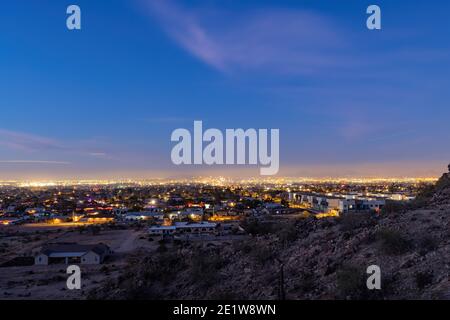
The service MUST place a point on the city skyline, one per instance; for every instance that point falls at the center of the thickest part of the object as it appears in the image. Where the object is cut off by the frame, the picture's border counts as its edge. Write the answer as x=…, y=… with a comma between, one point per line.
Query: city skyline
x=101, y=102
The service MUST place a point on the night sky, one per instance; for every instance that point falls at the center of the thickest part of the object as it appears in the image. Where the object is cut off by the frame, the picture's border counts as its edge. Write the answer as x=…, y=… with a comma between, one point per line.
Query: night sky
x=101, y=102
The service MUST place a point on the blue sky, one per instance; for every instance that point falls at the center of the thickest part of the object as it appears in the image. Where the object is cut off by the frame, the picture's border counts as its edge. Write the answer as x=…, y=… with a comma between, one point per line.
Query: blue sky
x=102, y=102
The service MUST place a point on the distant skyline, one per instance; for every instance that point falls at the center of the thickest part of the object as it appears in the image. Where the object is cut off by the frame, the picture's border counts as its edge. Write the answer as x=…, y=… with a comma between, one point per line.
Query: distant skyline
x=102, y=102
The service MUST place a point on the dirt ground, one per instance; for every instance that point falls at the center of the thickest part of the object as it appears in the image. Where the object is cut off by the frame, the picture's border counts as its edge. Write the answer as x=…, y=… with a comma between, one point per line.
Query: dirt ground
x=49, y=282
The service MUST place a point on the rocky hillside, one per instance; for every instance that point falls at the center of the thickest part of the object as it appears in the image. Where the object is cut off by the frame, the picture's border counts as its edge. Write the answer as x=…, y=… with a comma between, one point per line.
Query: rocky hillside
x=306, y=259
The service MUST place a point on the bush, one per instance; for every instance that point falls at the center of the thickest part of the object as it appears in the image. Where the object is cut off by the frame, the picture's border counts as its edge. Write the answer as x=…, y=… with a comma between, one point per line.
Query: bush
x=162, y=247
x=104, y=269
x=256, y=227
x=427, y=244
x=395, y=207
x=244, y=246
x=262, y=253
x=352, y=221
x=393, y=242
x=306, y=283
x=205, y=267
x=427, y=191
x=423, y=279
x=286, y=232
x=162, y=268
x=350, y=282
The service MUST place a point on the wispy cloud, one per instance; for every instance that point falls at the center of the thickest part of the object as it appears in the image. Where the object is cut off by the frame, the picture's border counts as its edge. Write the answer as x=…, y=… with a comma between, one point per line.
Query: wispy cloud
x=277, y=40
x=34, y=162
x=27, y=142
x=98, y=154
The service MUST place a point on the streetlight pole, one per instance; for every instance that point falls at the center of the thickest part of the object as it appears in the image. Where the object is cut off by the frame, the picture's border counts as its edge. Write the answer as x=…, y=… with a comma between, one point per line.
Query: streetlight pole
x=281, y=292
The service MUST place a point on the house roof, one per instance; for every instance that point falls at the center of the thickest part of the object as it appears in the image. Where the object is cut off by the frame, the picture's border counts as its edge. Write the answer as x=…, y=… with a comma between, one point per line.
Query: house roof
x=73, y=249
x=162, y=228
x=181, y=225
x=195, y=224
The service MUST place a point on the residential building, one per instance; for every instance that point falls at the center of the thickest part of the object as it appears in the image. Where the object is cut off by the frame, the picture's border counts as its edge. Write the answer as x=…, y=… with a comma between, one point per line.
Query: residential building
x=72, y=253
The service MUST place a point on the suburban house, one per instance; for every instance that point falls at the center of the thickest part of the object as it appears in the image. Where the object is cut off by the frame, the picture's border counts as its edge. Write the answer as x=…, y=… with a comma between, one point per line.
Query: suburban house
x=341, y=204
x=162, y=230
x=193, y=213
x=361, y=204
x=72, y=253
x=98, y=218
x=144, y=215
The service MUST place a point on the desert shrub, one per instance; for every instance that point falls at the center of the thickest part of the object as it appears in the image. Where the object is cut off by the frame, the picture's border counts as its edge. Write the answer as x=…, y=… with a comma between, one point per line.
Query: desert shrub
x=350, y=282
x=58, y=278
x=262, y=253
x=161, y=247
x=423, y=279
x=426, y=192
x=286, y=232
x=427, y=244
x=351, y=221
x=43, y=282
x=142, y=275
x=223, y=294
x=104, y=269
x=162, y=267
x=395, y=207
x=306, y=282
x=392, y=242
x=205, y=267
x=243, y=246
x=444, y=181
x=257, y=227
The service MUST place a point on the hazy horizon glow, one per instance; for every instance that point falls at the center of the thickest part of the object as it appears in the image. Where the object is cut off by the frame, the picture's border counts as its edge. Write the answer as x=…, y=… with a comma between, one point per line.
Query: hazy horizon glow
x=102, y=102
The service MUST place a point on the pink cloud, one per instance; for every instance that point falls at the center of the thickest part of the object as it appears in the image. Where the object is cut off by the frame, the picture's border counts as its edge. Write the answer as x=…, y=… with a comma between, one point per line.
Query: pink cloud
x=279, y=40
x=27, y=142
x=355, y=130
x=32, y=143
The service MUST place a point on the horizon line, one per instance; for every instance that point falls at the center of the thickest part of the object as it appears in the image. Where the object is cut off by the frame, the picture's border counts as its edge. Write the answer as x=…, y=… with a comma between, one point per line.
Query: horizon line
x=223, y=178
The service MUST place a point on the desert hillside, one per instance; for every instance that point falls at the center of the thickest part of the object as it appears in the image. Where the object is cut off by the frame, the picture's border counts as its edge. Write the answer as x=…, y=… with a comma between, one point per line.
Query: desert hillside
x=306, y=258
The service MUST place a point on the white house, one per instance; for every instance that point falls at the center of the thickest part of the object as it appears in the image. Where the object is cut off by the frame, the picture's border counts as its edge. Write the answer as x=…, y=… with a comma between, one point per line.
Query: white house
x=72, y=253
x=144, y=215
x=162, y=230
x=341, y=205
